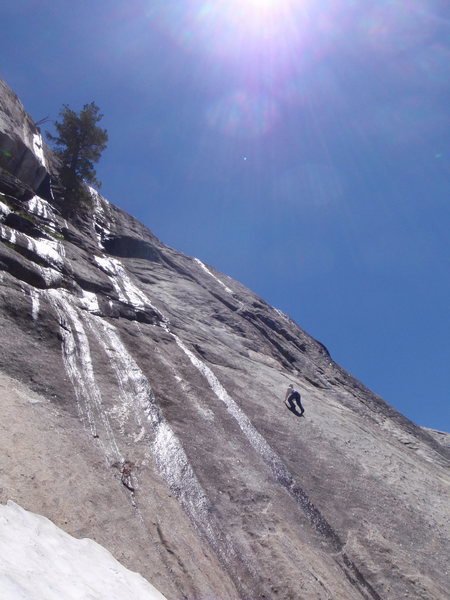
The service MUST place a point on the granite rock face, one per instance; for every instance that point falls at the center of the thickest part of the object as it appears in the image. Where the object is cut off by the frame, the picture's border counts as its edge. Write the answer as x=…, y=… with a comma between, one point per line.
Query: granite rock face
x=142, y=398
x=23, y=153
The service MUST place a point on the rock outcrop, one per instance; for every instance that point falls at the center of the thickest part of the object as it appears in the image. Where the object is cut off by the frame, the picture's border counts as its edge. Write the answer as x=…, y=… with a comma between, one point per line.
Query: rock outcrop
x=142, y=395
x=23, y=153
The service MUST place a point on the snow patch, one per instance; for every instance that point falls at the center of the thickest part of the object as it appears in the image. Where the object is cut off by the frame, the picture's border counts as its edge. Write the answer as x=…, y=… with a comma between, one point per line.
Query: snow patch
x=137, y=399
x=40, y=207
x=78, y=364
x=253, y=436
x=89, y=302
x=39, y=561
x=8, y=234
x=179, y=475
x=106, y=264
x=281, y=314
x=135, y=405
x=205, y=268
x=269, y=456
x=130, y=293
x=42, y=248
x=4, y=209
x=125, y=289
x=51, y=251
x=35, y=298
x=94, y=194
x=38, y=149
x=99, y=217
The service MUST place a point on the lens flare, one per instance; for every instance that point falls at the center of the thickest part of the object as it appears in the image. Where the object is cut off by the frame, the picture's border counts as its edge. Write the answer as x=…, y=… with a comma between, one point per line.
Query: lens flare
x=259, y=7
x=243, y=114
x=227, y=28
x=261, y=3
x=262, y=58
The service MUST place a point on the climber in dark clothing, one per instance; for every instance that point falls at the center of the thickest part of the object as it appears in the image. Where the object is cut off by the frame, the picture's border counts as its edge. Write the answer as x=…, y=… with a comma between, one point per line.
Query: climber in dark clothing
x=292, y=397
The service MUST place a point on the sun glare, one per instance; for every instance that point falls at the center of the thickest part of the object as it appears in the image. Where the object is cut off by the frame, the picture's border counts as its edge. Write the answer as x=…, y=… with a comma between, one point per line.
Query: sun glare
x=260, y=7
x=259, y=18
x=261, y=3
x=243, y=30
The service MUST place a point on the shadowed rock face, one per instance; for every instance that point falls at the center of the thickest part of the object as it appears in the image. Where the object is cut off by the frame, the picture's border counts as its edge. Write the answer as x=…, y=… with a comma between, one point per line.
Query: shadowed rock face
x=142, y=396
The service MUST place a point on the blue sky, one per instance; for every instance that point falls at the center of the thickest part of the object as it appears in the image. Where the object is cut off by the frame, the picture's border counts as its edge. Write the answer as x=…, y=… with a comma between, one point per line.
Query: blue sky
x=302, y=148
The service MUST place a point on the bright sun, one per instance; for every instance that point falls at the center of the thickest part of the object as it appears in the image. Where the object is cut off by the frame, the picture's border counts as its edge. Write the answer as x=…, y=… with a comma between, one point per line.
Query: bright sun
x=259, y=10
x=230, y=27
x=262, y=4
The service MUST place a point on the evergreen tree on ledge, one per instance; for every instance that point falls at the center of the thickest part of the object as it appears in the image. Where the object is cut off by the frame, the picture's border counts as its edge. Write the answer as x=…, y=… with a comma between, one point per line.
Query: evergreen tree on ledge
x=79, y=144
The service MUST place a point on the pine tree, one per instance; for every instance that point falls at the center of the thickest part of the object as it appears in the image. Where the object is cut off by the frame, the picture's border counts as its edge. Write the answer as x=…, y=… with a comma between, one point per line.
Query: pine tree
x=79, y=144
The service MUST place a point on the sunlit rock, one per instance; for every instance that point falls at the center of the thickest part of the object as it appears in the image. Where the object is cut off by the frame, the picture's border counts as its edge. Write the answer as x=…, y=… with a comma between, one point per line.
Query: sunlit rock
x=143, y=407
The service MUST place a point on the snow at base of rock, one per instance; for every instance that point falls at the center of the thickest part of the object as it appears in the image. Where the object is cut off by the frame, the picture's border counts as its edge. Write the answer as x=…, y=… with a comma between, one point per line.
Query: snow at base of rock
x=39, y=561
